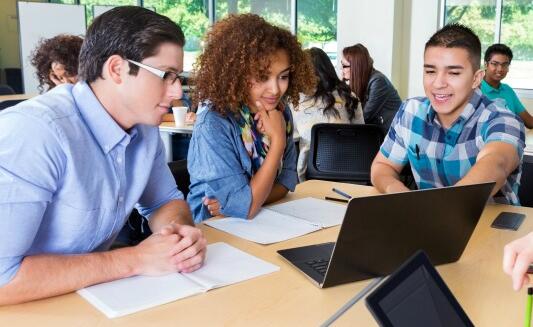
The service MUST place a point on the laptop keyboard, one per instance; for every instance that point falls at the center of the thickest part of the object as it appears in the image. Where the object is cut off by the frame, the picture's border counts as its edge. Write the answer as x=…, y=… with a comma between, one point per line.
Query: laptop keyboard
x=319, y=265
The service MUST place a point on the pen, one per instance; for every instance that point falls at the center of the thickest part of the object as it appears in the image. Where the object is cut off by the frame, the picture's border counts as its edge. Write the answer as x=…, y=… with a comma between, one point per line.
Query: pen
x=527, y=322
x=346, y=195
x=335, y=199
x=417, y=149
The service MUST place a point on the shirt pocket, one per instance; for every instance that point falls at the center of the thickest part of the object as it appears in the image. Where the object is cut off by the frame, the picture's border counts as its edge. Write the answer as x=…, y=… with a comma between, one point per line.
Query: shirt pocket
x=73, y=230
x=421, y=164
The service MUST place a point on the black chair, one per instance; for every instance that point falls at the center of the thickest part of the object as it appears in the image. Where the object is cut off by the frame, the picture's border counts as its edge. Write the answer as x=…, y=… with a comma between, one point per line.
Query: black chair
x=136, y=228
x=525, y=191
x=343, y=152
x=9, y=103
x=6, y=90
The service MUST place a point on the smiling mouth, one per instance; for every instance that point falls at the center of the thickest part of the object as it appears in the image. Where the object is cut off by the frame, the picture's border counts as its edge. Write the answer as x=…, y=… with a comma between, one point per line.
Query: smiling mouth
x=441, y=98
x=271, y=101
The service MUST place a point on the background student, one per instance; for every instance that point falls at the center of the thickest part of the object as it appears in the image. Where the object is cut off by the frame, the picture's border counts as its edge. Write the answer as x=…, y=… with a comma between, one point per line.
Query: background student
x=89, y=153
x=454, y=135
x=56, y=60
x=498, y=58
x=379, y=98
x=242, y=154
x=332, y=102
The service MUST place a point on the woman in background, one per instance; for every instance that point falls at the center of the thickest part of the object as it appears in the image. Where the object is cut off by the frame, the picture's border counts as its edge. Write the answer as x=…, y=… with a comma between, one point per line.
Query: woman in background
x=379, y=98
x=332, y=102
x=242, y=154
x=56, y=60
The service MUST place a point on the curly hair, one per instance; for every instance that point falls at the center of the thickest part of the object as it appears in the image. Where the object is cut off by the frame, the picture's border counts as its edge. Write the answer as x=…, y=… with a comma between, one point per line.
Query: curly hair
x=63, y=49
x=237, y=49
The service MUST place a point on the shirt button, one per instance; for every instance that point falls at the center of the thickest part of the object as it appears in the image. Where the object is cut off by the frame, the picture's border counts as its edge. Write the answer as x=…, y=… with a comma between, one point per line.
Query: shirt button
x=119, y=160
x=120, y=199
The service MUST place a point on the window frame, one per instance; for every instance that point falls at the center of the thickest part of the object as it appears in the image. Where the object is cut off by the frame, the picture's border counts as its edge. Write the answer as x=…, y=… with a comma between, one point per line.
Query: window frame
x=523, y=93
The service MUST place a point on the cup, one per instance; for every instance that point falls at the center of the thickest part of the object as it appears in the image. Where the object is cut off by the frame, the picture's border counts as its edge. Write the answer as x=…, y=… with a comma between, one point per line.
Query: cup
x=179, y=115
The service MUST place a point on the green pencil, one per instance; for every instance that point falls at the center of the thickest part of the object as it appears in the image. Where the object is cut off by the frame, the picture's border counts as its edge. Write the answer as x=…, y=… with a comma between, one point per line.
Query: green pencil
x=527, y=322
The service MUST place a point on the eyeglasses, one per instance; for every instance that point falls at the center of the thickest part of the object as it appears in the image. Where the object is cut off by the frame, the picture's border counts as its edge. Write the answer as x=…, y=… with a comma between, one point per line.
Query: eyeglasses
x=169, y=77
x=496, y=64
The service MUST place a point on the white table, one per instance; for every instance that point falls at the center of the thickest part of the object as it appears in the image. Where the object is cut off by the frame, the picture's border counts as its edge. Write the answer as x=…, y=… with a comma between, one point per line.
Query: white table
x=166, y=130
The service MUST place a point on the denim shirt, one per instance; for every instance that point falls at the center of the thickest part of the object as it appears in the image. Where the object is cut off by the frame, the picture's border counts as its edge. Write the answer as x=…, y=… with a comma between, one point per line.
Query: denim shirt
x=221, y=168
x=70, y=176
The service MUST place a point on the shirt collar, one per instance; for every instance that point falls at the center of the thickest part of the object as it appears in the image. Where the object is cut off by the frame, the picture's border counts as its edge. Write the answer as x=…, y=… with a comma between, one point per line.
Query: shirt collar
x=487, y=88
x=103, y=127
x=468, y=110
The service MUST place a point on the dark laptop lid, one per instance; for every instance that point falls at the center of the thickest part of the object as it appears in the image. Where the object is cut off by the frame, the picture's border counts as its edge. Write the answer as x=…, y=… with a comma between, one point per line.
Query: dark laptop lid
x=380, y=232
x=416, y=295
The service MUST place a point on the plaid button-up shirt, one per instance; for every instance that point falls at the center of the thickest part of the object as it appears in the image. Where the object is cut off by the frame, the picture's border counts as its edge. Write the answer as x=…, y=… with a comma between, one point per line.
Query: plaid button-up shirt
x=441, y=157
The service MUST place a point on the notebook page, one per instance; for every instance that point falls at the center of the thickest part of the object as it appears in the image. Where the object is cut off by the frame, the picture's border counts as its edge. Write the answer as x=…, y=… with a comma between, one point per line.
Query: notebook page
x=226, y=265
x=267, y=227
x=322, y=212
x=129, y=295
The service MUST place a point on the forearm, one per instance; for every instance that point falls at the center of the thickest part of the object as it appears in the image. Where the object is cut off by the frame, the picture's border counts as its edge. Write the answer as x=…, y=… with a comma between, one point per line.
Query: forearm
x=173, y=211
x=489, y=169
x=44, y=276
x=385, y=179
x=262, y=182
x=278, y=192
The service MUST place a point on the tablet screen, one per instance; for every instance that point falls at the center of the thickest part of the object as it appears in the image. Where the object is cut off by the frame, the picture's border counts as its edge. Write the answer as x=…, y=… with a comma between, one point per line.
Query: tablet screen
x=416, y=295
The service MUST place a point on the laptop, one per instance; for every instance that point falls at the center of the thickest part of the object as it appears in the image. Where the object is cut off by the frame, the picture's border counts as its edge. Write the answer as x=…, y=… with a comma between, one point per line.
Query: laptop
x=416, y=295
x=380, y=232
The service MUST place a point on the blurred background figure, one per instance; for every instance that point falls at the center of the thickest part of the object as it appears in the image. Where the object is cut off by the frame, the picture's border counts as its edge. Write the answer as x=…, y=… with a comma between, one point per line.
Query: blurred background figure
x=497, y=61
x=379, y=98
x=332, y=102
x=56, y=61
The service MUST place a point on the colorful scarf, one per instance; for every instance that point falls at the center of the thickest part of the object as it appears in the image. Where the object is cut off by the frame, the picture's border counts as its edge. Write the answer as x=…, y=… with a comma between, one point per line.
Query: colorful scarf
x=257, y=144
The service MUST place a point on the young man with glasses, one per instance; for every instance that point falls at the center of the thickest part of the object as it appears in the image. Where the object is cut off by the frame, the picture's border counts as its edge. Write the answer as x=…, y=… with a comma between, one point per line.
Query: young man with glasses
x=75, y=161
x=454, y=135
x=497, y=61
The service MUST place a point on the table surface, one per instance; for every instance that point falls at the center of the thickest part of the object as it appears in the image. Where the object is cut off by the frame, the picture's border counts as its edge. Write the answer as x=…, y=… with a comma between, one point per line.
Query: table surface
x=170, y=127
x=16, y=97
x=287, y=298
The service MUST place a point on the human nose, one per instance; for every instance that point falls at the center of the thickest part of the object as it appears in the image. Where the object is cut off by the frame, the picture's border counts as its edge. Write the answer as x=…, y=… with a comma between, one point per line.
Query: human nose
x=440, y=80
x=273, y=86
x=175, y=90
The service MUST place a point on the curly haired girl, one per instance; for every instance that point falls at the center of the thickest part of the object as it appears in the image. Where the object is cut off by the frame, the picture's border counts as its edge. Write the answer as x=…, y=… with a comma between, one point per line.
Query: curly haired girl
x=56, y=60
x=242, y=154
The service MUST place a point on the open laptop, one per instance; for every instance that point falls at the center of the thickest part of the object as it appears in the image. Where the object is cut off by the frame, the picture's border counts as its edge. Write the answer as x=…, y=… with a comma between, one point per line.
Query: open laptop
x=380, y=232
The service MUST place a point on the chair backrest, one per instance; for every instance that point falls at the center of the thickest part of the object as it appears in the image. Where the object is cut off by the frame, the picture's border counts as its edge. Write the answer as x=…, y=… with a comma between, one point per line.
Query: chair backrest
x=343, y=152
x=525, y=191
x=6, y=90
x=8, y=103
x=181, y=175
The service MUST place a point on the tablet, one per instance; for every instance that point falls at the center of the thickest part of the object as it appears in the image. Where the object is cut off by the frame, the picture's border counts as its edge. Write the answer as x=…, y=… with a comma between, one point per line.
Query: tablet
x=416, y=295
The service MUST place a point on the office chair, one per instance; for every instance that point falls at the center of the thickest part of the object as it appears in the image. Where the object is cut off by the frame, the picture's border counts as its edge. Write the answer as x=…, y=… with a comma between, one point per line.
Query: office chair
x=525, y=191
x=136, y=228
x=6, y=90
x=343, y=152
x=8, y=103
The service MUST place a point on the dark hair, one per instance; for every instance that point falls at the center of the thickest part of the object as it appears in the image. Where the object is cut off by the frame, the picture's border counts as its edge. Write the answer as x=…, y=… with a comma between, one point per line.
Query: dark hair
x=129, y=31
x=458, y=36
x=328, y=81
x=498, y=48
x=361, y=67
x=63, y=49
x=238, y=48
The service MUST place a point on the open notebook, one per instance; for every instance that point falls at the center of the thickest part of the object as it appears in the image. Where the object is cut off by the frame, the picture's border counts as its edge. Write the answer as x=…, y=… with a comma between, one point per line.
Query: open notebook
x=224, y=265
x=283, y=221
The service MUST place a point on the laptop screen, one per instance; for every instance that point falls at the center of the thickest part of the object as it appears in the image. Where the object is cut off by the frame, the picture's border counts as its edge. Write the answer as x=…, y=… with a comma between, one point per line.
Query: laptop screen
x=416, y=295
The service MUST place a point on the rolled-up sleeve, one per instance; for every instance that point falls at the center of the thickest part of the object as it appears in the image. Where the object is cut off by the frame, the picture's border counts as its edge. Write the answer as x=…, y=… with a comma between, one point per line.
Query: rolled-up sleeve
x=31, y=165
x=161, y=187
x=506, y=128
x=216, y=169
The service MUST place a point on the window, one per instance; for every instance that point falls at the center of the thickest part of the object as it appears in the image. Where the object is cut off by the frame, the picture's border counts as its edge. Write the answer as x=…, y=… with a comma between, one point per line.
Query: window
x=317, y=25
x=500, y=21
x=277, y=12
x=191, y=16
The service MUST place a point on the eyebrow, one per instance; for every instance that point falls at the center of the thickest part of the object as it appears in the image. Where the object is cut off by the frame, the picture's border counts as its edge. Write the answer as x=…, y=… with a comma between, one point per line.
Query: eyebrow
x=447, y=67
x=285, y=70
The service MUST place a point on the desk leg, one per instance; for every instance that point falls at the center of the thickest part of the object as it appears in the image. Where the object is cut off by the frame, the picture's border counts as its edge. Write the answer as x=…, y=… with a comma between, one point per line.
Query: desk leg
x=167, y=143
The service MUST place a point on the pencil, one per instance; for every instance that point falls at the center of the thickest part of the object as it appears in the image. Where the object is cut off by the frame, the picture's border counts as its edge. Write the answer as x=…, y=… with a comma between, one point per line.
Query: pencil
x=527, y=322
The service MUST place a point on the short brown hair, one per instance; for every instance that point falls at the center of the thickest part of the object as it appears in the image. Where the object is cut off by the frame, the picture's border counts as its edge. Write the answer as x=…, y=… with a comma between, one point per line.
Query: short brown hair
x=238, y=48
x=63, y=49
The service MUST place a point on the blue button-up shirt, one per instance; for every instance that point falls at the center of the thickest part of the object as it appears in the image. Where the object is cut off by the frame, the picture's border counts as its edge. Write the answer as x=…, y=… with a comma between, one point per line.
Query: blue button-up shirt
x=70, y=176
x=441, y=157
x=221, y=168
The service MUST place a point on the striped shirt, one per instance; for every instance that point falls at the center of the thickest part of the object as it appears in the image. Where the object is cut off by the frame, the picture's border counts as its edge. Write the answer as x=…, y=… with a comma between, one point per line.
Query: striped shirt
x=441, y=157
